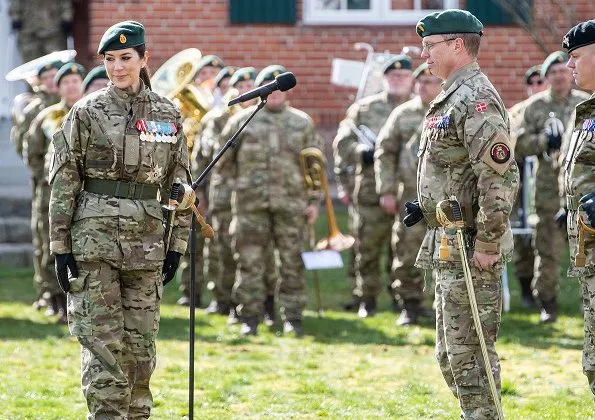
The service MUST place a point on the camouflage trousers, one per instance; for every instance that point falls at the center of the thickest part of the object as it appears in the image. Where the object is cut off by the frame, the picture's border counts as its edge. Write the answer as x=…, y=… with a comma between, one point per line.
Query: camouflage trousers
x=48, y=284
x=457, y=346
x=31, y=46
x=220, y=253
x=523, y=257
x=254, y=233
x=407, y=280
x=588, y=296
x=373, y=230
x=115, y=316
x=37, y=241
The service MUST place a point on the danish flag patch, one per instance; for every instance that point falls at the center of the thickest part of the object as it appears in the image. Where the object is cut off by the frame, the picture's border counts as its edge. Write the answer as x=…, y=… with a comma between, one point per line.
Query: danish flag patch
x=481, y=107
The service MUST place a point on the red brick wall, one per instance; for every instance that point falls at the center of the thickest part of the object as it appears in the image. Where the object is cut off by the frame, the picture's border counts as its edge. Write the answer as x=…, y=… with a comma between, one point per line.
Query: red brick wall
x=173, y=25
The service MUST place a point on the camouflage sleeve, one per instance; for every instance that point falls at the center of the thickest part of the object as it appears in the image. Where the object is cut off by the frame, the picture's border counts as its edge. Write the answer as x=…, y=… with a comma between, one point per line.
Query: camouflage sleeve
x=16, y=10
x=386, y=156
x=530, y=137
x=487, y=139
x=226, y=166
x=66, y=11
x=66, y=178
x=179, y=168
x=34, y=148
x=29, y=114
x=564, y=150
x=345, y=153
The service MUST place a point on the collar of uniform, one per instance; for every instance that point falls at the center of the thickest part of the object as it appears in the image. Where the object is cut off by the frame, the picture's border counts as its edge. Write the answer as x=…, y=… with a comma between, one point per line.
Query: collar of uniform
x=123, y=95
x=461, y=75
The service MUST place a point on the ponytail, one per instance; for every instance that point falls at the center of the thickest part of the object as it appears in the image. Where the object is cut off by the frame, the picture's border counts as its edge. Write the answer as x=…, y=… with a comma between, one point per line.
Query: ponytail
x=145, y=73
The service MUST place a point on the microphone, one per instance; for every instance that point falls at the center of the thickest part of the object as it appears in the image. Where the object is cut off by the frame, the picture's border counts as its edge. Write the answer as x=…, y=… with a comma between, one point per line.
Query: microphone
x=283, y=82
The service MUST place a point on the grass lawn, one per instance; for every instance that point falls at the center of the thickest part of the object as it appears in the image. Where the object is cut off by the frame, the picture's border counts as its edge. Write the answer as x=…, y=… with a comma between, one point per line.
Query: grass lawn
x=343, y=368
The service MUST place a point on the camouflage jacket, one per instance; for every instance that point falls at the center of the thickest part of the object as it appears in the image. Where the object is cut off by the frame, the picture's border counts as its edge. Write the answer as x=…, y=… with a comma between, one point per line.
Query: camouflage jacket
x=465, y=152
x=578, y=171
x=37, y=16
x=371, y=112
x=395, y=158
x=265, y=163
x=101, y=139
x=39, y=137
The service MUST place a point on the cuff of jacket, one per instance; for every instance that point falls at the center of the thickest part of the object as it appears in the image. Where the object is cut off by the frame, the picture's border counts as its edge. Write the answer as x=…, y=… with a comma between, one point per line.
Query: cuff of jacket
x=178, y=245
x=59, y=247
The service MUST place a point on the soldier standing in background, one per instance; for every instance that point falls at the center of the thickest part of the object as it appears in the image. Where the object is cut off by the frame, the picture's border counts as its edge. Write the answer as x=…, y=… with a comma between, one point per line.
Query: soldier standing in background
x=578, y=173
x=465, y=152
x=524, y=254
x=540, y=133
x=96, y=79
x=42, y=26
x=354, y=145
x=270, y=204
x=38, y=139
x=395, y=165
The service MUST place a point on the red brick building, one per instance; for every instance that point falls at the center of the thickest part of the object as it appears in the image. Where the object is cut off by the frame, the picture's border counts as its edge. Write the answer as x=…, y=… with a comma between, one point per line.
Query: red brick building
x=313, y=32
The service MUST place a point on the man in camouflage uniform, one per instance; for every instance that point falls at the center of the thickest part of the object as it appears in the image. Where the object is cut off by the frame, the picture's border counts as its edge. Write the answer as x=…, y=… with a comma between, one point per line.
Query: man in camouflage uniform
x=270, y=204
x=465, y=152
x=204, y=79
x=354, y=145
x=395, y=164
x=37, y=141
x=578, y=173
x=46, y=94
x=540, y=133
x=42, y=26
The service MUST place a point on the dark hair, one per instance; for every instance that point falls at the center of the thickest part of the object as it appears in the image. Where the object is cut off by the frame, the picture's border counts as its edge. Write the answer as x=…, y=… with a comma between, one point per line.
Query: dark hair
x=145, y=73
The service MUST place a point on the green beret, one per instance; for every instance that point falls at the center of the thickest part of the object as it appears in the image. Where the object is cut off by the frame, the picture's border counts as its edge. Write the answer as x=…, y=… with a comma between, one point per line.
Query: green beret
x=122, y=35
x=535, y=70
x=554, y=58
x=245, y=73
x=49, y=66
x=400, y=61
x=224, y=73
x=95, y=73
x=422, y=70
x=209, y=60
x=269, y=73
x=579, y=36
x=451, y=21
x=69, y=68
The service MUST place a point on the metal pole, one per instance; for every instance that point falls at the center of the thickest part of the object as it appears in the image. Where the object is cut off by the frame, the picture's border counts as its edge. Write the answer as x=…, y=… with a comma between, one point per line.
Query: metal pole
x=192, y=318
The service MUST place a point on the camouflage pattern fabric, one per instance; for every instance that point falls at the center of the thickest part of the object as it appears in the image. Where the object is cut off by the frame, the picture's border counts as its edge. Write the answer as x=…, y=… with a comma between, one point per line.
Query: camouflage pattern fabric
x=118, y=243
x=371, y=223
x=531, y=140
x=268, y=202
x=588, y=300
x=395, y=166
x=465, y=152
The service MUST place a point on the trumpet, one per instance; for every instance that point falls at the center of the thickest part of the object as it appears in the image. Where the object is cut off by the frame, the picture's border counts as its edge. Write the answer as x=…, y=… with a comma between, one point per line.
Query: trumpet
x=313, y=166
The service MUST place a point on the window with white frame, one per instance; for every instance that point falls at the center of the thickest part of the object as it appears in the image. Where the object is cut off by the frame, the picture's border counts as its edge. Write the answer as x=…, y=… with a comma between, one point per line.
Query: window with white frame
x=371, y=12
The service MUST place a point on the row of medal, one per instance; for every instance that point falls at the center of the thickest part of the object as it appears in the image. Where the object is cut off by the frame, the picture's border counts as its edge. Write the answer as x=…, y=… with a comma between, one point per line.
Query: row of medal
x=157, y=131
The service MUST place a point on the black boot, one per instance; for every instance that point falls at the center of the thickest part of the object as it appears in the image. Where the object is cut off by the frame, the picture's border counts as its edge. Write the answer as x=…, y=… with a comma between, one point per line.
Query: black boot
x=249, y=325
x=353, y=304
x=269, y=311
x=62, y=310
x=293, y=326
x=53, y=306
x=233, y=318
x=527, y=299
x=549, y=312
x=411, y=311
x=367, y=308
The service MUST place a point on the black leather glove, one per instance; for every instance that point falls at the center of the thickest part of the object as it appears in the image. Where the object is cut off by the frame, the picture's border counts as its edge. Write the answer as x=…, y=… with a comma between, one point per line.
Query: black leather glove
x=560, y=217
x=588, y=205
x=368, y=157
x=414, y=214
x=170, y=266
x=66, y=26
x=65, y=263
x=554, y=141
x=16, y=25
x=554, y=129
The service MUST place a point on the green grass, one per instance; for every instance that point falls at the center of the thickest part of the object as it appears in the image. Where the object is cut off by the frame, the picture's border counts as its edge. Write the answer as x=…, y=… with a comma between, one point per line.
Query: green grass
x=343, y=368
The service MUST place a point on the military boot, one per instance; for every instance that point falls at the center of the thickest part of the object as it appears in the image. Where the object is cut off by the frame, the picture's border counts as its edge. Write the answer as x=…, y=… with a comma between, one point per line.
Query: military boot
x=549, y=312
x=367, y=308
x=527, y=299
x=353, y=304
x=233, y=318
x=411, y=312
x=249, y=325
x=293, y=326
x=53, y=306
x=62, y=310
x=269, y=311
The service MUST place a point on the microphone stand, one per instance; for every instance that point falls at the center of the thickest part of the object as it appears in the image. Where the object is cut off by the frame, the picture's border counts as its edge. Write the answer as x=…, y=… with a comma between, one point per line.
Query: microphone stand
x=192, y=319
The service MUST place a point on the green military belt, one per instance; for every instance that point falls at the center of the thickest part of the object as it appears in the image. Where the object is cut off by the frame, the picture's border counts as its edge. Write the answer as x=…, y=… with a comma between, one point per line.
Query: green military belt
x=121, y=189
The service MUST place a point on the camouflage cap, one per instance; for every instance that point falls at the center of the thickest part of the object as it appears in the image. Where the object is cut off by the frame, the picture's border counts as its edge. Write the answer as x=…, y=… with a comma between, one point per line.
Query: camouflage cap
x=122, y=35
x=67, y=69
x=49, y=66
x=245, y=73
x=269, y=73
x=579, y=36
x=95, y=73
x=209, y=61
x=554, y=58
x=535, y=70
x=422, y=70
x=451, y=21
x=400, y=61
x=224, y=73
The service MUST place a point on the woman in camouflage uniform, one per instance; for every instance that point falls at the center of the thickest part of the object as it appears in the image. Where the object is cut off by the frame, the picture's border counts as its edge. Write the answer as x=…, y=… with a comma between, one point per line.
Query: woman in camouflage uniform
x=116, y=156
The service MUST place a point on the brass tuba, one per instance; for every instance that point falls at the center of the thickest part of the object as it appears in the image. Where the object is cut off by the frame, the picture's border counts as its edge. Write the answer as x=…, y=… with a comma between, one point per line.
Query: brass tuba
x=174, y=81
x=313, y=166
